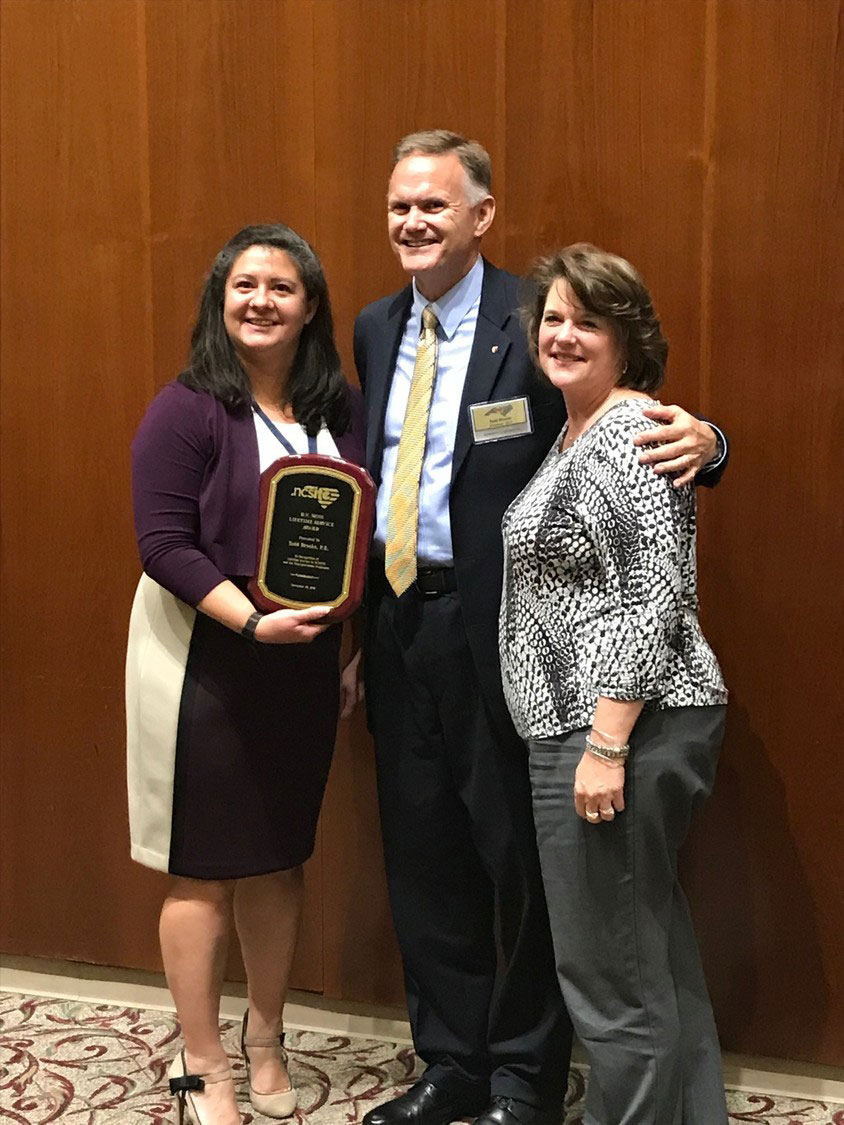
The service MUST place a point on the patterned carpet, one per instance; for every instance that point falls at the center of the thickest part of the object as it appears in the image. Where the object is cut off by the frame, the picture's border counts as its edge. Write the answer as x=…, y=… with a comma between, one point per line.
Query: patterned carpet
x=90, y=1064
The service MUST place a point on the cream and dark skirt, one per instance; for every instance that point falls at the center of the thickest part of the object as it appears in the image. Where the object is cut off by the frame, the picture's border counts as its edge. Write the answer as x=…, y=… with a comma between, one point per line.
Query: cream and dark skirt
x=229, y=742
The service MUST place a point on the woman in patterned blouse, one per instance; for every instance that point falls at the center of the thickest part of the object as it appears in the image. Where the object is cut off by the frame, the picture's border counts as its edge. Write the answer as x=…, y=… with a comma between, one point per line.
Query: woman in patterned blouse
x=602, y=656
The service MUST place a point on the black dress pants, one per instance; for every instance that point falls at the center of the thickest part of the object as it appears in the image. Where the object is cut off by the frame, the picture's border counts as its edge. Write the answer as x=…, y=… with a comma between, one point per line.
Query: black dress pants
x=463, y=872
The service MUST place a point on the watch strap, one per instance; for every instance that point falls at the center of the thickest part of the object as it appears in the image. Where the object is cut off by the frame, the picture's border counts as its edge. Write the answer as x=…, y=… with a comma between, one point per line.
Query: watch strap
x=251, y=625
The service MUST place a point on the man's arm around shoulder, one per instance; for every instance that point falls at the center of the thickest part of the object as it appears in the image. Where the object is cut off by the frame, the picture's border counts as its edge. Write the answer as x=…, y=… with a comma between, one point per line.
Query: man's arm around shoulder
x=693, y=448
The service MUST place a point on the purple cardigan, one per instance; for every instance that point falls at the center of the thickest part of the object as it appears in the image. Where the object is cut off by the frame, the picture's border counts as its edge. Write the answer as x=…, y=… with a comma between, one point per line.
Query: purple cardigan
x=195, y=475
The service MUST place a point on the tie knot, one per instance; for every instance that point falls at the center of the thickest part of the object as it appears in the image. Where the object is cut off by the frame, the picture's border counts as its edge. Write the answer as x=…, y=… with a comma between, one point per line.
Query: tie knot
x=429, y=318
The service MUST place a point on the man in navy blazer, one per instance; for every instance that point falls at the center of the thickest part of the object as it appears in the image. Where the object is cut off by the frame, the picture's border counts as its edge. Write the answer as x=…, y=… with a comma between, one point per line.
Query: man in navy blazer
x=462, y=867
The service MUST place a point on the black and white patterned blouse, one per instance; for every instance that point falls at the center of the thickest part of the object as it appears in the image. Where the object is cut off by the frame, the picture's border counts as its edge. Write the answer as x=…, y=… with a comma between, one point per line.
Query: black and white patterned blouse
x=600, y=585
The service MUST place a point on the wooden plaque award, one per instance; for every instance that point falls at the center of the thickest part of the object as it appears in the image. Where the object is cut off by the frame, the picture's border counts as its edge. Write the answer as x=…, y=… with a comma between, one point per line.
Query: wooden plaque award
x=314, y=530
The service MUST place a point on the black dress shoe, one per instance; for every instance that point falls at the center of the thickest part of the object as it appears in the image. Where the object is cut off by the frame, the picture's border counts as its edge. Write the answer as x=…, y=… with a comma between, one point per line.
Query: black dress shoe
x=424, y=1104
x=508, y=1111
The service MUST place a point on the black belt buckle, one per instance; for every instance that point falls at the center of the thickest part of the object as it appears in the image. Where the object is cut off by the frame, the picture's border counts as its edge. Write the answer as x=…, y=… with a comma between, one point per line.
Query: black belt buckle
x=434, y=581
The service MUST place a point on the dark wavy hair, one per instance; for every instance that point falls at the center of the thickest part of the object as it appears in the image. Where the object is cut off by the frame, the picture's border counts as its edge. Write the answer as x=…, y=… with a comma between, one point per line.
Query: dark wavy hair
x=606, y=286
x=318, y=390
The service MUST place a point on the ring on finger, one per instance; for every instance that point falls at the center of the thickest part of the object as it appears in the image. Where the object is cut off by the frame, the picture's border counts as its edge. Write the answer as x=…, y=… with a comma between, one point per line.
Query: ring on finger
x=592, y=814
x=607, y=813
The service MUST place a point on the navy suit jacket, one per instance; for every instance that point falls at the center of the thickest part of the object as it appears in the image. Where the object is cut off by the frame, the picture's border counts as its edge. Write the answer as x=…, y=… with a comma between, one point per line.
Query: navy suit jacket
x=485, y=477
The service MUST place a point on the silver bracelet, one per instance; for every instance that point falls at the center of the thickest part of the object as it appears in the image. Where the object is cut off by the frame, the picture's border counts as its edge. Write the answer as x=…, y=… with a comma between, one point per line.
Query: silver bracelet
x=616, y=763
x=608, y=753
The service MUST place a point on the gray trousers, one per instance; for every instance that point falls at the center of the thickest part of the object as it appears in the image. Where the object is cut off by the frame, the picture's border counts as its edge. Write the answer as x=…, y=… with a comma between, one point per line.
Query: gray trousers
x=626, y=953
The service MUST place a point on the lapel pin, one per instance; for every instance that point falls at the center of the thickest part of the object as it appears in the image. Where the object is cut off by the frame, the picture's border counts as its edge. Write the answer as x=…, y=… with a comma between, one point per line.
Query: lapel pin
x=494, y=348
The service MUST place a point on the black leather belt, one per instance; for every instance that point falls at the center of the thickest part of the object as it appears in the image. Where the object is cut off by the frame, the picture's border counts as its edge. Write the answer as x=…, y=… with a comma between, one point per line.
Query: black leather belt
x=434, y=581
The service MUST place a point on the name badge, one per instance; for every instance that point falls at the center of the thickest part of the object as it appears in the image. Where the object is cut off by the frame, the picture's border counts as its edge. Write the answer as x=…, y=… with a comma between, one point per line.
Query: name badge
x=494, y=421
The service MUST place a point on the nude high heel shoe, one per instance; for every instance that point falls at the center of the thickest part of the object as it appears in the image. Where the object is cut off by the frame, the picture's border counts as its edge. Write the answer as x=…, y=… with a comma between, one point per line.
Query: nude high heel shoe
x=279, y=1103
x=184, y=1085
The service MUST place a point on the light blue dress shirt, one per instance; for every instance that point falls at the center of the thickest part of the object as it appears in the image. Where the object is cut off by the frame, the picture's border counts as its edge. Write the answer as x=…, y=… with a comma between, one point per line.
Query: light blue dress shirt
x=457, y=313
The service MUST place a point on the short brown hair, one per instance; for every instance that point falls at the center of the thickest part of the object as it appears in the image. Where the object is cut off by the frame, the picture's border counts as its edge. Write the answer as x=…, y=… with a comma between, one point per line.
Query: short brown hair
x=436, y=142
x=608, y=286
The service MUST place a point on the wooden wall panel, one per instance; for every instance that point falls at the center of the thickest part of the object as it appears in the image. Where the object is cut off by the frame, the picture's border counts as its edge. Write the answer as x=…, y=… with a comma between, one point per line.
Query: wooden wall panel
x=76, y=351
x=703, y=141
x=230, y=98
x=594, y=154
x=769, y=893
x=382, y=70
x=701, y=138
x=140, y=174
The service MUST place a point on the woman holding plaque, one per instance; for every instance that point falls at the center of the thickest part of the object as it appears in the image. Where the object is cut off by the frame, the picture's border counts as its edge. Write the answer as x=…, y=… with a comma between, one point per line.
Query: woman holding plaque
x=619, y=698
x=231, y=712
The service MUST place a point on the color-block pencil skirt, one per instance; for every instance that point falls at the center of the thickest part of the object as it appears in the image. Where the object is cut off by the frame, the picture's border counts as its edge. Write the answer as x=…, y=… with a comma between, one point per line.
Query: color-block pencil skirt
x=229, y=743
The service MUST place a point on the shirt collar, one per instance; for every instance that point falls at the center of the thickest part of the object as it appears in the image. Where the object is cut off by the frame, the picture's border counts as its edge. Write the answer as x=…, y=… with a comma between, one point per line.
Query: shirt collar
x=453, y=307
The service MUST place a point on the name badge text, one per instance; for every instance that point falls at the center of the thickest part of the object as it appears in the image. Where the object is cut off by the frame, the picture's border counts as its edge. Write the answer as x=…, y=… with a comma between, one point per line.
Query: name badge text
x=495, y=421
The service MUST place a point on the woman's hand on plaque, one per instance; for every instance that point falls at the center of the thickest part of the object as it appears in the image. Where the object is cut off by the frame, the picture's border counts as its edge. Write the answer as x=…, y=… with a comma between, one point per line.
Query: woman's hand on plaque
x=292, y=626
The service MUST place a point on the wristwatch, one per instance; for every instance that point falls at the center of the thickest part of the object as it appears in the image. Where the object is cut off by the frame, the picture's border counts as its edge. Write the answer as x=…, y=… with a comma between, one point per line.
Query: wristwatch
x=251, y=625
x=720, y=448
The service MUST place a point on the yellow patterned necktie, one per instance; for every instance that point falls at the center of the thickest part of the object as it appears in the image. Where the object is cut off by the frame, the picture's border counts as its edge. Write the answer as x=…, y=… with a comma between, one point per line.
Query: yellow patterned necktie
x=403, y=512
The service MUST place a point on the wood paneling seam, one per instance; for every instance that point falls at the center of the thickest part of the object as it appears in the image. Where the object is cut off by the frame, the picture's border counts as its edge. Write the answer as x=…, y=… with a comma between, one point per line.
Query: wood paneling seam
x=710, y=77
x=145, y=173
